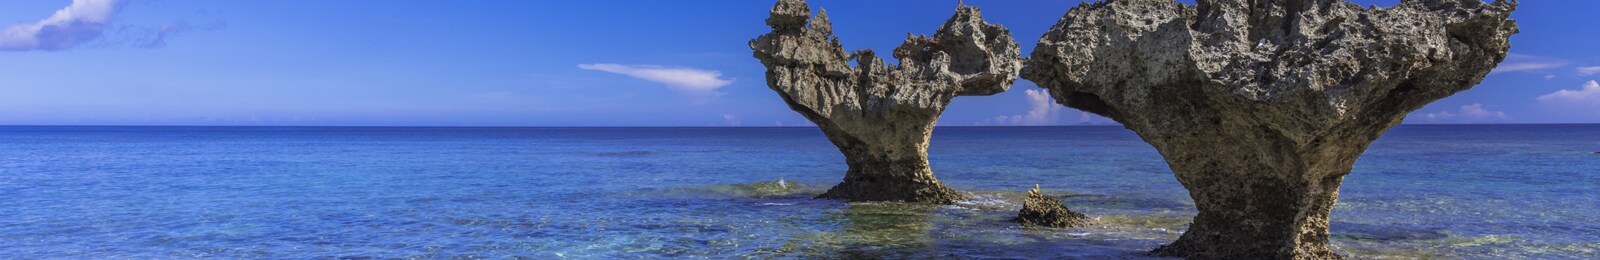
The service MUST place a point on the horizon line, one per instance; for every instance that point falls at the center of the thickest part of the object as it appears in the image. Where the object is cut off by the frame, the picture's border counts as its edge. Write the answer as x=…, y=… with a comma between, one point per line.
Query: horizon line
x=680, y=126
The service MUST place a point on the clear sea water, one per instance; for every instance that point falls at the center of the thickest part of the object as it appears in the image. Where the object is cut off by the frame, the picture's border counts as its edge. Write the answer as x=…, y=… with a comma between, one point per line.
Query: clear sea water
x=1441, y=191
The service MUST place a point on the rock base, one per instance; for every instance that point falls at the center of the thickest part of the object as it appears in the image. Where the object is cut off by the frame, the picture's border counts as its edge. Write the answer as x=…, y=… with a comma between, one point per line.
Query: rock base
x=902, y=181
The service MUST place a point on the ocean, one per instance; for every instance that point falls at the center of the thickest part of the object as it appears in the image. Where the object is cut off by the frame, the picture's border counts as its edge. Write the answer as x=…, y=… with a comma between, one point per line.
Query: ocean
x=1421, y=191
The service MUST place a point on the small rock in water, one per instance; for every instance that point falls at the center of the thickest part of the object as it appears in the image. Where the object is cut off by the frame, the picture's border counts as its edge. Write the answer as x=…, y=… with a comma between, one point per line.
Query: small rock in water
x=1041, y=210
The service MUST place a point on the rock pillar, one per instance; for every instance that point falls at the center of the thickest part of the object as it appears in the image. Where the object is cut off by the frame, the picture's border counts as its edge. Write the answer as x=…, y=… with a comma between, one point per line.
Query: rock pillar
x=879, y=115
x=1261, y=107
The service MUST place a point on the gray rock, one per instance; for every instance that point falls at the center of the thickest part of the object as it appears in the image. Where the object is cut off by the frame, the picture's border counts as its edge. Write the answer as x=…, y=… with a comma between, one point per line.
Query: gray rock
x=1262, y=107
x=880, y=116
x=1041, y=210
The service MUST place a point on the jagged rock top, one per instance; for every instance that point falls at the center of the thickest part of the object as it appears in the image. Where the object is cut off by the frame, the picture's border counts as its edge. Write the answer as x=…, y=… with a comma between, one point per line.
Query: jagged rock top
x=1285, y=64
x=1041, y=210
x=877, y=102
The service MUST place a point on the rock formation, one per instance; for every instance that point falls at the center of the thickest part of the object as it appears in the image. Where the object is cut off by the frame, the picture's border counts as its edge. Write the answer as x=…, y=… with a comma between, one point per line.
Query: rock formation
x=1261, y=107
x=879, y=115
x=1041, y=210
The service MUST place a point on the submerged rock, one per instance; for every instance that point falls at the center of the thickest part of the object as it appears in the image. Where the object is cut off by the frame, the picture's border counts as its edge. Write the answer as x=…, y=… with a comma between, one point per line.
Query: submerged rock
x=1262, y=107
x=1041, y=210
x=750, y=190
x=778, y=187
x=880, y=116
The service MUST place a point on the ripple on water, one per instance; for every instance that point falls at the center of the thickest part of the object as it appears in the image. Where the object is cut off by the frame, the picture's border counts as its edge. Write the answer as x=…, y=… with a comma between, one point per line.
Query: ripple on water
x=628, y=153
x=977, y=227
x=1473, y=192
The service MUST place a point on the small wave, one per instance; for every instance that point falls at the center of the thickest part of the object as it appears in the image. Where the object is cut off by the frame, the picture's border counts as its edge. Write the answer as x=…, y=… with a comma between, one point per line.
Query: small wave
x=776, y=204
x=986, y=202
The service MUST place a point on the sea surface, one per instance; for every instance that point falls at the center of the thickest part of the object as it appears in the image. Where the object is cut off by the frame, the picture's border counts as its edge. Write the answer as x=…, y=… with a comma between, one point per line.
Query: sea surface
x=1421, y=191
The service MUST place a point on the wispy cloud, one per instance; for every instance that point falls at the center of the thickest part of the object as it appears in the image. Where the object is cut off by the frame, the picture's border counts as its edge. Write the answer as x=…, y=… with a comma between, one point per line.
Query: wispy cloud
x=1474, y=113
x=157, y=37
x=1590, y=70
x=1521, y=62
x=687, y=80
x=79, y=22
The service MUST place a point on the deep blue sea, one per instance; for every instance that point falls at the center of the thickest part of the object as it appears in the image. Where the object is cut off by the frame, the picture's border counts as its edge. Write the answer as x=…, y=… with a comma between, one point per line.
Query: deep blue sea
x=1421, y=191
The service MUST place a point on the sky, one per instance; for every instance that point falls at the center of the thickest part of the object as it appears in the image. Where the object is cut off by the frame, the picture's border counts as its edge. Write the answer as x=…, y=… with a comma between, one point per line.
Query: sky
x=574, y=63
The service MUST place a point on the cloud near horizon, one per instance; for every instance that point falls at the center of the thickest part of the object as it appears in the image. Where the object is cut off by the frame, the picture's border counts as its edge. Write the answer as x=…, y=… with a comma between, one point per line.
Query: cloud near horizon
x=1585, y=98
x=1042, y=110
x=687, y=80
x=82, y=21
x=1474, y=113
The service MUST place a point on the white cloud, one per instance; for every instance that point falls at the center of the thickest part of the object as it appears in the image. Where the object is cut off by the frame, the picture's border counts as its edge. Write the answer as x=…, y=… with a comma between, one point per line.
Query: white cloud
x=1520, y=62
x=1042, y=110
x=1474, y=113
x=1549, y=77
x=82, y=21
x=1590, y=70
x=1586, y=97
x=688, y=80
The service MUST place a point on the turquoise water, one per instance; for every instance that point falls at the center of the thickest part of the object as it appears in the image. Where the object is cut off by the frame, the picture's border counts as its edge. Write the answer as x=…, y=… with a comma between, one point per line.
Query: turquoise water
x=1479, y=191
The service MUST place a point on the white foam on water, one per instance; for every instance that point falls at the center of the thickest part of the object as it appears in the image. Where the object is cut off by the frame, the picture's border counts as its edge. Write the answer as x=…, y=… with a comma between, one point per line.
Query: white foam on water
x=984, y=201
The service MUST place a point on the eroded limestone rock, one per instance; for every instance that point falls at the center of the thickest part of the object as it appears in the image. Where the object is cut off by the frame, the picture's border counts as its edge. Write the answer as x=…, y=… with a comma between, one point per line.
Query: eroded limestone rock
x=880, y=116
x=1261, y=107
x=1041, y=210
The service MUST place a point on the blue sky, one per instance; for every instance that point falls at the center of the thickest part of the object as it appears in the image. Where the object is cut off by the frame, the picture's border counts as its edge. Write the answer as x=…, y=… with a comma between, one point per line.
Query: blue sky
x=571, y=63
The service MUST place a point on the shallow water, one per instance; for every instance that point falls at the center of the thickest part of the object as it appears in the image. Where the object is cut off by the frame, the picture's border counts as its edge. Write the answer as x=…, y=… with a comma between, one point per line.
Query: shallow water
x=1507, y=191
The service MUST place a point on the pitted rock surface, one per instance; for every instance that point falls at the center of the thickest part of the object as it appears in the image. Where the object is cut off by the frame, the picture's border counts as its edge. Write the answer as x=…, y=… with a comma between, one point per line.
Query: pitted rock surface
x=880, y=115
x=1041, y=210
x=1261, y=107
